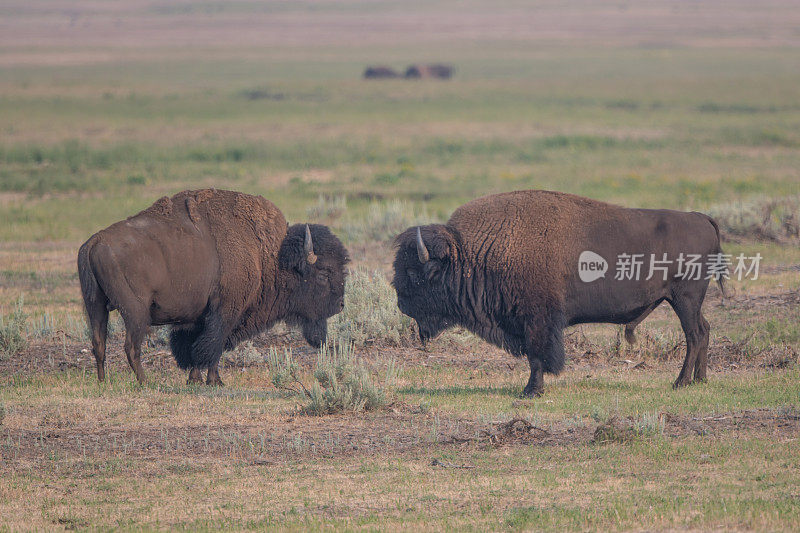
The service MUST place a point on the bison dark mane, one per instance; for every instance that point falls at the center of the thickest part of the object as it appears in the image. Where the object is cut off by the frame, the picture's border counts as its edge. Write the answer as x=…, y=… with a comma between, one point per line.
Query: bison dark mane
x=460, y=291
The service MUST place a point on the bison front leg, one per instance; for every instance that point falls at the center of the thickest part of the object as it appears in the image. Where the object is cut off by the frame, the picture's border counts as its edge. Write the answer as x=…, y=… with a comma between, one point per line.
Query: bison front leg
x=544, y=347
x=213, y=377
x=207, y=347
x=535, y=386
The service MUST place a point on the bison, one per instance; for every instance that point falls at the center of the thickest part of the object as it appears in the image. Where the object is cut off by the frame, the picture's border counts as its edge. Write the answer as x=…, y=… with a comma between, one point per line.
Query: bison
x=379, y=72
x=506, y=267
x=219, y=266
x=436, y=71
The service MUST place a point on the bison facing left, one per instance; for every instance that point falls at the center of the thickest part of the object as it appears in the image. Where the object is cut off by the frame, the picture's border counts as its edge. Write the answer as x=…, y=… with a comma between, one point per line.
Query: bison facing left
x=219, y=266
x=507, y=267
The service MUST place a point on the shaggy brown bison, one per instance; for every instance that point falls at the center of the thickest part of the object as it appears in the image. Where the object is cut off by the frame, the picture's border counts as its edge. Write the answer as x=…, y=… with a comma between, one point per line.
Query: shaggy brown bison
x=517, y=268
x=437, y=71
x=379, y=72
x=219, y=266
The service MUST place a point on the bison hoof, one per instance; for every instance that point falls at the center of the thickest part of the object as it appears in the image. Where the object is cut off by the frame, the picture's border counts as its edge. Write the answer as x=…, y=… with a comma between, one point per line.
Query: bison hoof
x=680, y=383
x=215, y=382
x=195, y=377
x=531, y=393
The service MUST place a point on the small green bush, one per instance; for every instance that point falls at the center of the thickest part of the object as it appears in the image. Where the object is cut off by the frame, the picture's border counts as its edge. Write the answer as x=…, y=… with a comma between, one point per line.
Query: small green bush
x=341, y=383
x=14, y=330
x=285, y=372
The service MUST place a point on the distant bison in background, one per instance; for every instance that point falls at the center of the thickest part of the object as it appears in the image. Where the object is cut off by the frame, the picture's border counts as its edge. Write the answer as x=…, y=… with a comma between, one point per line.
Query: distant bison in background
x=506, y=267
x=380, y=72
x=219, y=266
x=436, y=71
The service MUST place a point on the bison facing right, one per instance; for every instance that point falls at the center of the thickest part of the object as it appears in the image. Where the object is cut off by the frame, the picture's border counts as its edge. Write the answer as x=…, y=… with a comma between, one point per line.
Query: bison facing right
x=219, y=267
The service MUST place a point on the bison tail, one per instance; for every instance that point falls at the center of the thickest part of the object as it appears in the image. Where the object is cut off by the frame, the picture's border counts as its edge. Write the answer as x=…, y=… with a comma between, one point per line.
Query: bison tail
x=89, y=286
x=718, y=250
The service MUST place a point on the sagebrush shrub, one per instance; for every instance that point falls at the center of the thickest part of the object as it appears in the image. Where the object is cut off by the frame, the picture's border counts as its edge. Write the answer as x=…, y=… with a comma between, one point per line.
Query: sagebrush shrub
x=370, y=314
x=340, y=381
x=14, y=330
x=760, y=218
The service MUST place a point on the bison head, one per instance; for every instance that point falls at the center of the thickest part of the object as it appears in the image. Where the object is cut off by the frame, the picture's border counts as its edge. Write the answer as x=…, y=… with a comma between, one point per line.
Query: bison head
x=314, y=261
x=424, y=268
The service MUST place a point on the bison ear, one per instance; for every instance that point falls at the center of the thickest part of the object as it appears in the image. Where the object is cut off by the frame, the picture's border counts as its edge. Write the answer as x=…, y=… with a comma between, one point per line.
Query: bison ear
x=439, y=244
x=437, y=248
x=293, y=256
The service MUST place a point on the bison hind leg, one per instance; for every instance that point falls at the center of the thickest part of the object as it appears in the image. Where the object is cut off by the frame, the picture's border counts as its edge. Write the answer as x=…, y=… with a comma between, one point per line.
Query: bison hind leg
x=98, y=324
x=630, y=335
x=630, y=327
x=687, y=301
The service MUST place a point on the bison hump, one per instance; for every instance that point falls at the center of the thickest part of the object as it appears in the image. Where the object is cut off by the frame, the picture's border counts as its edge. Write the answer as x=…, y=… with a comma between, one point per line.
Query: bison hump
x=162, y=206
x=191, y=209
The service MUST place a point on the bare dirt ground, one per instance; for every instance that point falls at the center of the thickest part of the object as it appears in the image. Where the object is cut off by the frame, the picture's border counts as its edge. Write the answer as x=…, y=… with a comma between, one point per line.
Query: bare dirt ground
x=289, y=435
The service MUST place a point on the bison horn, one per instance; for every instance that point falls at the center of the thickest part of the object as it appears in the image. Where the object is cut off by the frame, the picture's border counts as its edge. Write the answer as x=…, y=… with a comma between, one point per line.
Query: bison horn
x=422, y=252
x=309, y=247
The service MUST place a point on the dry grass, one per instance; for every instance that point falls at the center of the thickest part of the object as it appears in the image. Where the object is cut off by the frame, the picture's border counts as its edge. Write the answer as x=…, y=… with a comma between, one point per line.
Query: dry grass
x=237, y=458
x=652, y=105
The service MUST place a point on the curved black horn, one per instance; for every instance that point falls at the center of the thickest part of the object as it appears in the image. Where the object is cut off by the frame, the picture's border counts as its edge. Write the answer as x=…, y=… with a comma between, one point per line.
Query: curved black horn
x=422, y=252
x=308, y=245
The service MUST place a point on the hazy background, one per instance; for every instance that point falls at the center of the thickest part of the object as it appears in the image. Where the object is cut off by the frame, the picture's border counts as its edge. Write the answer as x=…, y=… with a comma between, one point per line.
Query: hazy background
x=106, y=106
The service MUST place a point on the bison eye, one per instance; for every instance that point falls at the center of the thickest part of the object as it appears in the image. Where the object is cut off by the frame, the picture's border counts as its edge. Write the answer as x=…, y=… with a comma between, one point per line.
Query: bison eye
x=413, y=276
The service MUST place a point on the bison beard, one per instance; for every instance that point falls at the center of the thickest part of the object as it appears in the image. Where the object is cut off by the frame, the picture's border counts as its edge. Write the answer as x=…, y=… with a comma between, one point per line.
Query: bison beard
x=506, y=268
x=219, y=266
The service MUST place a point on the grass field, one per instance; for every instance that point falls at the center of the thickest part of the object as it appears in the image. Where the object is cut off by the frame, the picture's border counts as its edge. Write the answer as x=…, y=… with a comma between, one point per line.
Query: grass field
x=105, y=107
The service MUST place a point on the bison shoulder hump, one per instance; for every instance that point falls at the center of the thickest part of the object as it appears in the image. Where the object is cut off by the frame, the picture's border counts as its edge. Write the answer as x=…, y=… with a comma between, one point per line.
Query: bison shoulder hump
x=162, y=206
